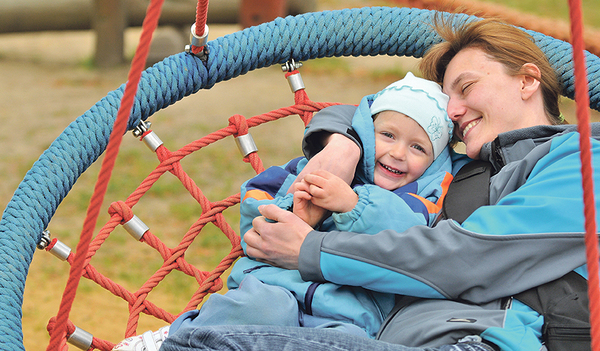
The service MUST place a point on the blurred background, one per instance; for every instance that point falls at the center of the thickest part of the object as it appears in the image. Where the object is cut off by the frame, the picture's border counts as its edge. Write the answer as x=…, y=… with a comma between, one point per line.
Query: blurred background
x=57, y=59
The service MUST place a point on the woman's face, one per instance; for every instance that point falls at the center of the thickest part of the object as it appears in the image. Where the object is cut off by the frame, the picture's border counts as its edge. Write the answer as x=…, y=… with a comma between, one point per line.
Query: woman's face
x=484, y=100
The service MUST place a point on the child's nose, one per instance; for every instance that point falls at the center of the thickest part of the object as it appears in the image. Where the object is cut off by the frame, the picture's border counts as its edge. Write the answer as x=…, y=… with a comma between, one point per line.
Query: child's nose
x=398, y=152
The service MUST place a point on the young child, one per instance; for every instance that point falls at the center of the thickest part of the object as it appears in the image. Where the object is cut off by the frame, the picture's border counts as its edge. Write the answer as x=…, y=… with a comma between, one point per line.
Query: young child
x=400, y=182
x=404, y=148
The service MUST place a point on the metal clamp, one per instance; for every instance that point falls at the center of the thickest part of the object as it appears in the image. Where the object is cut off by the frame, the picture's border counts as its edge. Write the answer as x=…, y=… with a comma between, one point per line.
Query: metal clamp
x=291, y=65
x=136, y=227
x=141, y=128
x=150, y=139
x=81, y=339
x=45, y=240
x=198, y=41
x=295, y=80
x=246, y=144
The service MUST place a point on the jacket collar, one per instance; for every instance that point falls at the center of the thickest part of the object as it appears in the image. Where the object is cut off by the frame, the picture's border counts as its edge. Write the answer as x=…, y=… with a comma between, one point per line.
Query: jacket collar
x=514, y=145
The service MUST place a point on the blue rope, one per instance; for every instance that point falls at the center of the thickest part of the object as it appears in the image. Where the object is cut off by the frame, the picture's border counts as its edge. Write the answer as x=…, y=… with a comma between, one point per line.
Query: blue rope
x=355, y=32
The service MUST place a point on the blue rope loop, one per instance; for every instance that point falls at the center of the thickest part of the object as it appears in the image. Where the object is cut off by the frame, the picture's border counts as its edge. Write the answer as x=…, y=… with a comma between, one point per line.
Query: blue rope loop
x=350, y=32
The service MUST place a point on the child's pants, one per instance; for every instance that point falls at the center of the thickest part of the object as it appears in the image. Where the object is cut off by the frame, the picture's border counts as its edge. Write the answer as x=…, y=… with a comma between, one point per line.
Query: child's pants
x=256, y=303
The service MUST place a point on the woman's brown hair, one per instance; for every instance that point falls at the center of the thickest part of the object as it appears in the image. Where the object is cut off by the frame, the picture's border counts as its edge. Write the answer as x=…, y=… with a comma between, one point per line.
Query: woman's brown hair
x=503, y=43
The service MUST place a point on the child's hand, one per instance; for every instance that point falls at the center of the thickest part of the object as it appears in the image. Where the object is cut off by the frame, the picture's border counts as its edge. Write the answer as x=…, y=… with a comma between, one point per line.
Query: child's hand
x=330, y=191
x=304, y=208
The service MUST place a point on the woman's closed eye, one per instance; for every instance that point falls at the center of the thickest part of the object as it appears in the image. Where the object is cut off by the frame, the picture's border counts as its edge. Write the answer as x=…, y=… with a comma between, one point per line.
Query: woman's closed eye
x=464, y=88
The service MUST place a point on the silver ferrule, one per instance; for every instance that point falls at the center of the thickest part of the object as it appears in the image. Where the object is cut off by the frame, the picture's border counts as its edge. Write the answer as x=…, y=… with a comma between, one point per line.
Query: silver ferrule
x=60, y=250
x=136, y=227
x=246, y=144
x=81, y=339
x=296, y=82
x=152, y=141
x=196, y=40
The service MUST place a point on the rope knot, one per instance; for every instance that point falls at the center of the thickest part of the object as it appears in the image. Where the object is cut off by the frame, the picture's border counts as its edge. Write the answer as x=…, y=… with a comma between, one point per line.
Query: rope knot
x=240, y=123
x=217, y=285
x=120, y=208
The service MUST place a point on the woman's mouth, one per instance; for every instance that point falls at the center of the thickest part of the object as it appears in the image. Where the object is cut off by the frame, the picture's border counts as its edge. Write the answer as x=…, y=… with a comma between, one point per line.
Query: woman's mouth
x=469, y=127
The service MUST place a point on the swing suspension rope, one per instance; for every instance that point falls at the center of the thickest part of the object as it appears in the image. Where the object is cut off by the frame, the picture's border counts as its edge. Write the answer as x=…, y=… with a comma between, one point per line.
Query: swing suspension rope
x=303, y=37
x=57, y=339
x=583, y=126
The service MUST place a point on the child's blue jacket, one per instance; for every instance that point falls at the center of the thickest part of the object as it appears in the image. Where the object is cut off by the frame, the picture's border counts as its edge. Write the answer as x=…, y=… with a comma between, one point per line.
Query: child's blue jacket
x=416, y=203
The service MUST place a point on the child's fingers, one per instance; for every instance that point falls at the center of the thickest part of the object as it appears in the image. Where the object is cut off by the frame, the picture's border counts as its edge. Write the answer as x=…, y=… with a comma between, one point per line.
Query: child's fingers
x=315, y=179
x=302, y=195
x=318, y=192
x=301, y=186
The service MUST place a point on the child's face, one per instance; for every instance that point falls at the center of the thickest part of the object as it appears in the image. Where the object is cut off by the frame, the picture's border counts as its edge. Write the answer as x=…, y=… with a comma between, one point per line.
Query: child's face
x=403, y=150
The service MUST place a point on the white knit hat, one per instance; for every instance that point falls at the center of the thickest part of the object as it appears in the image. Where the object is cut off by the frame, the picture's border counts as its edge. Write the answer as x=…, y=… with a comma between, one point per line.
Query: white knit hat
x=421, y=100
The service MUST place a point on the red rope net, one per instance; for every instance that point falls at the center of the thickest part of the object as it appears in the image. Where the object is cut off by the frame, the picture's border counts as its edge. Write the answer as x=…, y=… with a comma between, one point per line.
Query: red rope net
x=212, y=212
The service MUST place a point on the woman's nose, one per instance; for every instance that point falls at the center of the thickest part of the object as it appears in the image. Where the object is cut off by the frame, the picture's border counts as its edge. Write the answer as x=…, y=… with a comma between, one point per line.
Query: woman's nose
x=456, y=109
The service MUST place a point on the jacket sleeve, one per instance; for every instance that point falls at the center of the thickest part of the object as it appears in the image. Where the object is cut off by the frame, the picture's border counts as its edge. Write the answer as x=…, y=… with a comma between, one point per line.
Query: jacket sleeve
x=379, y=209
x=332, y=119
x=268, y=187
x=530, y=236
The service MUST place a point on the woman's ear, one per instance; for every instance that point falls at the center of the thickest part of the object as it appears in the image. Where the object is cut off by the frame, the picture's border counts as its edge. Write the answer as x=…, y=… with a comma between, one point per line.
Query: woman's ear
x=530, y=82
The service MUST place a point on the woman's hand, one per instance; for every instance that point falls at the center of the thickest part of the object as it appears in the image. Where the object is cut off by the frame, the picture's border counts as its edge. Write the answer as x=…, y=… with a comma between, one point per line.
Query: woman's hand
x=276, y=243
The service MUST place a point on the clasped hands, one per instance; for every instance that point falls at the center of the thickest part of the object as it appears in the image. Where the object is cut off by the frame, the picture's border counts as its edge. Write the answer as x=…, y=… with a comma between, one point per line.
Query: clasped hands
x=322, y=186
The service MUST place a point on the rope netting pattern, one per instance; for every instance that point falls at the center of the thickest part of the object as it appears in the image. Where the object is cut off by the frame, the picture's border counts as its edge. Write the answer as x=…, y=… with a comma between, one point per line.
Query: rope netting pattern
x=350, y=32
x=121, y=213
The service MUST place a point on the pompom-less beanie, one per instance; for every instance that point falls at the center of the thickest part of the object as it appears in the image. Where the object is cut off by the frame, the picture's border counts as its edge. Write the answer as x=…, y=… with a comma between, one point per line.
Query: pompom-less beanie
x=421, y=100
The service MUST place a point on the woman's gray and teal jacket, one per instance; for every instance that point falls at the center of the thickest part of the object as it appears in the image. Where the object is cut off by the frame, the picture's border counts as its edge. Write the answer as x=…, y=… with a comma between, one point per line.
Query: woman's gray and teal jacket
x=457, y=280
x=378, y=209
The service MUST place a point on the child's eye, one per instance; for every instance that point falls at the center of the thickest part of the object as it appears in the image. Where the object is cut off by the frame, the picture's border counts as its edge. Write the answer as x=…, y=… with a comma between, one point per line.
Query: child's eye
x=419, y=147
x=388, y=135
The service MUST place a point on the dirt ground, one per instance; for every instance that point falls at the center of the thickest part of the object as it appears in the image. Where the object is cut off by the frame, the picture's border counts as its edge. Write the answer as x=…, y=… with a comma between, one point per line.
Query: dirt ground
x=45, y=84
